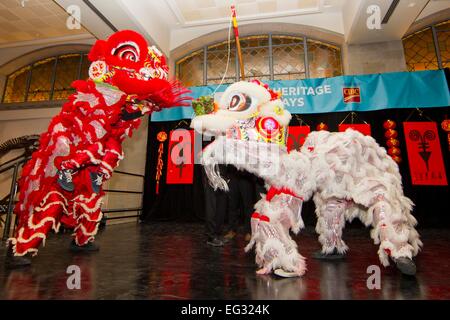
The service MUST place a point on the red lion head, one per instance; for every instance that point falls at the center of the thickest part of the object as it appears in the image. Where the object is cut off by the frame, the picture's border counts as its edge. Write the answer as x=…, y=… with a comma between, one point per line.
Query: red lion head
x=124, y=60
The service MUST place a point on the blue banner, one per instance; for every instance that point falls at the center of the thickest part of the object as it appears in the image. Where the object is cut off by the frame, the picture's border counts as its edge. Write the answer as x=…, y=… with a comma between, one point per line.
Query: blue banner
x=421, y=89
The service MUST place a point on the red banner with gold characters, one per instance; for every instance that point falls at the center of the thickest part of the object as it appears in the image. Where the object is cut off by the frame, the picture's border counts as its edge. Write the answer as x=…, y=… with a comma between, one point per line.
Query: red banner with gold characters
x=424, y=154
x=296, y=137
x=364, y=128
x=180, y=162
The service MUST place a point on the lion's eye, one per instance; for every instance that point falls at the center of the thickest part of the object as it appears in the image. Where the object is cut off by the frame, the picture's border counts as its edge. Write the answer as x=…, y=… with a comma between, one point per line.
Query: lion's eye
x=129, y=56
x=127, y=51
x=239, y=102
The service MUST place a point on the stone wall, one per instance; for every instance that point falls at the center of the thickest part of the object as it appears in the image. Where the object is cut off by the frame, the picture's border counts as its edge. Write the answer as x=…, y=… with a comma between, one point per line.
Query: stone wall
x=373, y=57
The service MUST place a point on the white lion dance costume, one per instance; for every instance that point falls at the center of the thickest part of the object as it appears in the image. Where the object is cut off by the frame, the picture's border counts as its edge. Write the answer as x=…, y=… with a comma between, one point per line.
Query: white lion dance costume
x=348, y=175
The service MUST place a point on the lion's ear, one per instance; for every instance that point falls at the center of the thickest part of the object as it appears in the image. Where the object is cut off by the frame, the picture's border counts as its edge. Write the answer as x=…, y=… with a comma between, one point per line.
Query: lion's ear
x=98, y=51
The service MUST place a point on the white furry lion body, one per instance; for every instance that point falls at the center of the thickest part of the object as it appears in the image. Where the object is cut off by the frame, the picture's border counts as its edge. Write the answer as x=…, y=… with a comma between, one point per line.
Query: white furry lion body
x=348, y=175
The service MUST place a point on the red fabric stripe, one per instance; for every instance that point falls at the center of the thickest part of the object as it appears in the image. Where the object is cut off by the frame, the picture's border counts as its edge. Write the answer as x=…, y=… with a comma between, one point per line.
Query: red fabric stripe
x=275, y=191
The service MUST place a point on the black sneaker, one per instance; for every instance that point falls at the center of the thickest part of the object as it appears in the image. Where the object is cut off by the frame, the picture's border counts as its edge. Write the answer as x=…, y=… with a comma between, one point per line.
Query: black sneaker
x=335, y=255
x=13, y=262
x=406, y=266
x=17, y=262
x=65, y=180
x=96, y=181
x=88, y=247
x=215, y=242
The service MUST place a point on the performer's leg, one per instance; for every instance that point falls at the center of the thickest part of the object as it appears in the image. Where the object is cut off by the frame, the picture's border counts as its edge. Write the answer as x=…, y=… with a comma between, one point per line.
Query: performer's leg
x=275, y=249
x=260, y=191
x=112, y=155
x=279, y=252
x=32, y=230
x=91, y=155
x=247, y=191
x=110, y=160
x=330, y=223
x=210, y=212
x=89, y=216
x=84, y=157
x=395, y=233
x=233, y=203
x=221, y=210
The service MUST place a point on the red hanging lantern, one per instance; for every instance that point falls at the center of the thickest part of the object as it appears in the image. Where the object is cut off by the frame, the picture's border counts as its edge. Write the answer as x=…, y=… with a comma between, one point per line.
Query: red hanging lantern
x=445, y=125
x=394, y=151
x=390, y=134
x=161, y=137
x=397, y=159
x=391, y=142
x=322, y=126
x=389, y=124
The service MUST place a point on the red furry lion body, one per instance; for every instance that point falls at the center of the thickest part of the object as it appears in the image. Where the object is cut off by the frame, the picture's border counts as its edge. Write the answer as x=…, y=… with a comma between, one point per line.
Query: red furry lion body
x=127, y=80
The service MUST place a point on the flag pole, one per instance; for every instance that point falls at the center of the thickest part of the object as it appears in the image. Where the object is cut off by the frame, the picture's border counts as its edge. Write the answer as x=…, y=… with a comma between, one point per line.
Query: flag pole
x=238, y=44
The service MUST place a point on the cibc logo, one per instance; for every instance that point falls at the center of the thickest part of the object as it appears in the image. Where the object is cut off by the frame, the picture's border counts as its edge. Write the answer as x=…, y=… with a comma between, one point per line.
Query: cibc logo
x=352, y=95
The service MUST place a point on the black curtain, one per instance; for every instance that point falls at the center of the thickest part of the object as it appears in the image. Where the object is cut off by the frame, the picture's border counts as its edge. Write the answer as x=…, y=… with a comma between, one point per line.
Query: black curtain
x=186, y=202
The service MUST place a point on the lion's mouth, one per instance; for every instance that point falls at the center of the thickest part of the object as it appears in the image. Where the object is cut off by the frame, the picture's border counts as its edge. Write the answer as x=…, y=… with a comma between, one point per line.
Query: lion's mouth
x=212, y=124
x=144, y=74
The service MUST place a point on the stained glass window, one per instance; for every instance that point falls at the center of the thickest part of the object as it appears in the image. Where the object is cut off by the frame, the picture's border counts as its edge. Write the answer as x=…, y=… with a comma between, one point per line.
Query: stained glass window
x=266, y=57
x=217, y=56
x=255, y=54
x=443, y=36
x=47, y=79
x=420, y=53
x=16, y=86
x=190, y=69
x=41, y=80
x=288, y=58
x=84, y=74
x=66, y=71
x=324, y=60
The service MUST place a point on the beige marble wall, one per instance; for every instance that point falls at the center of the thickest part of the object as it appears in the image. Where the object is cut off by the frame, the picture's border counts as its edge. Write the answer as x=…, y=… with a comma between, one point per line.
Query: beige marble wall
x=373, y=58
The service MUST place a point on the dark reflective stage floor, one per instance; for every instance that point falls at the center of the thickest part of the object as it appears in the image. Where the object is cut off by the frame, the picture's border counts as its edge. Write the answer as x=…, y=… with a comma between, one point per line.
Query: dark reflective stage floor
x=171, y=261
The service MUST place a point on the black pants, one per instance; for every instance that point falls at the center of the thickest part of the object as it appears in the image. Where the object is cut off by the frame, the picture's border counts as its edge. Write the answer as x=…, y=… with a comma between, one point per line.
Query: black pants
x=241, y=195
x=215, y=207
x=259, y=188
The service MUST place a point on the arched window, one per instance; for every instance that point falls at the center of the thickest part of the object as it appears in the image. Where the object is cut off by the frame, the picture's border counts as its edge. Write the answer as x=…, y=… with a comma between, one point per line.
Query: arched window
x=47, y=79
x=266, y=57
x=429, y=48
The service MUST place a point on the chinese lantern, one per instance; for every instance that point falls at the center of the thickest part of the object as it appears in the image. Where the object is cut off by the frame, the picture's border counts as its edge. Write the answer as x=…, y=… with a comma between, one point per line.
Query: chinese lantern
x=161, y=137
x=394, y=151
x=389, y=124
x=390, y=134
x=391, y=142
x=397, y=159
x=322, y=126
x=445, y=125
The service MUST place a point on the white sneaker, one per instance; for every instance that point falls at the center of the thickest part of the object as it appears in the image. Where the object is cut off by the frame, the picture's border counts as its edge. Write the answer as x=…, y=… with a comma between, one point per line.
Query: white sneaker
x=285, y=274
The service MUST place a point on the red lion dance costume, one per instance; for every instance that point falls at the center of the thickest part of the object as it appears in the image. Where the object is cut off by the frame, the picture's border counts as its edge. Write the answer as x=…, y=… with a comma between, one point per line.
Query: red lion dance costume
x=61, y=184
